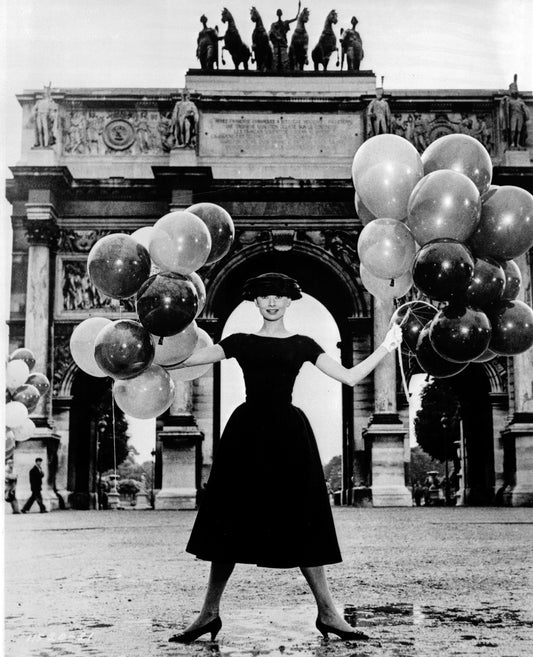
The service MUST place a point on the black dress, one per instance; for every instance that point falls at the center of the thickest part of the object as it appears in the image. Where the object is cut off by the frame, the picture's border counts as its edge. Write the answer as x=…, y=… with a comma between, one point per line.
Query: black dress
x=266, y=500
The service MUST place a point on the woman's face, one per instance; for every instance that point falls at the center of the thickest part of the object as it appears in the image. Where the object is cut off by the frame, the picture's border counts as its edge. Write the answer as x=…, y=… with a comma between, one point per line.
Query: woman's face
x=272, y=306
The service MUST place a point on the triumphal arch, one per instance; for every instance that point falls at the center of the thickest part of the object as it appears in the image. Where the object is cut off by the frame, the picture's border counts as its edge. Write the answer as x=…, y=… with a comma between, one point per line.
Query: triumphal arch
x=275, y=150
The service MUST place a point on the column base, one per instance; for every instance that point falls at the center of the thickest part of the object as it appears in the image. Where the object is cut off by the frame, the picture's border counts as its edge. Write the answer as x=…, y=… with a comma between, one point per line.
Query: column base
x=391, y=496
x=522, y=496
x=520, y=432
x=176, y=499
x=516, y=158
x=142, y=502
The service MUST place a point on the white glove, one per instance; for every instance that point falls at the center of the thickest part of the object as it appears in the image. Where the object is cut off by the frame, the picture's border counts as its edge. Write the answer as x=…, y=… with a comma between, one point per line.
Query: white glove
x=393, y=339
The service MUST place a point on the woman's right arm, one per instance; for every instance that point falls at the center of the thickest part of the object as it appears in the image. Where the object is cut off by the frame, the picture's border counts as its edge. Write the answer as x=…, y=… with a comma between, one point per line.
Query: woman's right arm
x=204, y=356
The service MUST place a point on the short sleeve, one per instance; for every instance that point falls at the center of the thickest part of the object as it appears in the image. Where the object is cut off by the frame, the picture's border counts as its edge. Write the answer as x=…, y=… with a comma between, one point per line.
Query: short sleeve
x=312, y=350
x=231, y=345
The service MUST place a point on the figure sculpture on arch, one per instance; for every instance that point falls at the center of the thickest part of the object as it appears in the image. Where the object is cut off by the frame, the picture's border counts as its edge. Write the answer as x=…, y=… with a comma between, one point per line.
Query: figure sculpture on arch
x=185, y=118
x=278, y=38
x=207, y=46
x=515, y=115
x=299, y=43
x=378, y=115
x=260, y=43
x=352, y=47
x=327, y=43
x=44, y=115
x=239, y=51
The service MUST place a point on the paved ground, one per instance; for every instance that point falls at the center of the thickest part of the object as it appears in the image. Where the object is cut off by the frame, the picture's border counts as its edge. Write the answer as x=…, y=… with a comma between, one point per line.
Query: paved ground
x=421, y=582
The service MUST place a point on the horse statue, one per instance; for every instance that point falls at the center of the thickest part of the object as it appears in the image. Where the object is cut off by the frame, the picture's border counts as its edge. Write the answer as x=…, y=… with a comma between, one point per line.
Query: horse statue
x=352, y=47
x=299, y=43
x=207, y=46
x=260, y=43
x=239, y=51
x=327, y=43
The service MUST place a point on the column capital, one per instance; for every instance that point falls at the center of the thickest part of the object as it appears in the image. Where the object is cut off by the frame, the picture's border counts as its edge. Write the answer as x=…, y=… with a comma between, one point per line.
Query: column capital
x=41, y=224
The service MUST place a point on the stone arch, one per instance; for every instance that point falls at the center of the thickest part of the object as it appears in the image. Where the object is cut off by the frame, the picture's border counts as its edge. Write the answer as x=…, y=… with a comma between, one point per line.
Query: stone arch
x=65, y=387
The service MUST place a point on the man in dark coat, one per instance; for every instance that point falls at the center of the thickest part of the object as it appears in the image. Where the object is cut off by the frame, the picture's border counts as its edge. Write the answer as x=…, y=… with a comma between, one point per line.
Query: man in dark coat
x=36, y=485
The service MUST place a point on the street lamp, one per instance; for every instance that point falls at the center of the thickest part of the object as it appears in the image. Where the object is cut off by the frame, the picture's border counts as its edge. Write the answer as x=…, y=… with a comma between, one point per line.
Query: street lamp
x=101, y=429
x=152, y=500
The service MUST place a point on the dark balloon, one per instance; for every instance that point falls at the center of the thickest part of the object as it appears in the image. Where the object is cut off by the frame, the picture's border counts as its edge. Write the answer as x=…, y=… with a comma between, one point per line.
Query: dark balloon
x=124, y=349
x=443, y=269
x=118, y=265
x=459, y=333
x=220, y=226
x=167, y=303
x=40, y=381
x=513, y=280
x=27, y=395
x=505, y=230
x=8, y=396
x=412, y=317
x=487, y=285
x=24, y=354
x=431, y=362
x=512, y=327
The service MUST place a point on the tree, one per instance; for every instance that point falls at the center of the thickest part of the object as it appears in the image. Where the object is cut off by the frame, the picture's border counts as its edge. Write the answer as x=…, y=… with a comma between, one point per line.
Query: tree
x=421, y=464
x=437, y=421
x=102, y=412
x=333, y=473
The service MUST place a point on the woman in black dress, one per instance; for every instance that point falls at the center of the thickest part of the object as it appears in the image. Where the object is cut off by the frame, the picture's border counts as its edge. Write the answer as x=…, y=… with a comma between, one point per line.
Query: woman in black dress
x=267, y=448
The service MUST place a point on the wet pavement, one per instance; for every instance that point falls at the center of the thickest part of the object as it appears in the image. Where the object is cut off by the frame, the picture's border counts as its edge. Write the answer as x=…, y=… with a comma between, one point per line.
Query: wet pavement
x=420, y=582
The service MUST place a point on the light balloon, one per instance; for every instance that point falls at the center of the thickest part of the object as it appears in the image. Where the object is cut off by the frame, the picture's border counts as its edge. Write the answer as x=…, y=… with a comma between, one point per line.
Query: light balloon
x=386, y=248
x=382, y=288
x=189, y=373
x=176, y=348
x=16, y=374
x=24, y=354
x=220, y=226
x=16, y=414
x=25, y=431
x=147, y=395
x=82, y=343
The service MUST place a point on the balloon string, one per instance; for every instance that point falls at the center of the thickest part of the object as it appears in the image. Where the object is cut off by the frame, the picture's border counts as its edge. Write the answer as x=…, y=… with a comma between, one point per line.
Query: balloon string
x=404, y=380
x=114, y=432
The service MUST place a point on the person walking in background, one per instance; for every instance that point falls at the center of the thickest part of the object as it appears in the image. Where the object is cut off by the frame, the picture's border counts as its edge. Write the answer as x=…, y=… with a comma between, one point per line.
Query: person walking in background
x=10, y=494
x=36, y=485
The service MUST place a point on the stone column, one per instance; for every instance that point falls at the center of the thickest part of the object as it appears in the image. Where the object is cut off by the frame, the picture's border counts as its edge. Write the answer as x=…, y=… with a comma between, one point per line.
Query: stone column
x=520, y=428
x=385, y=434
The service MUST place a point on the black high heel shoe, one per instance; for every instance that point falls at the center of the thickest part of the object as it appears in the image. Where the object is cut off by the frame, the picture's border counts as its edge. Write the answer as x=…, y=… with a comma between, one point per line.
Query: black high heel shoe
x=190, y=636
x=345, y=635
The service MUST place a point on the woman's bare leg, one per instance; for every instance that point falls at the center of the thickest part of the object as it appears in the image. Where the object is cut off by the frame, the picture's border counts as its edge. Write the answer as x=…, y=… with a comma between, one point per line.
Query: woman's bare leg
x=218, y=578
x=327, y=612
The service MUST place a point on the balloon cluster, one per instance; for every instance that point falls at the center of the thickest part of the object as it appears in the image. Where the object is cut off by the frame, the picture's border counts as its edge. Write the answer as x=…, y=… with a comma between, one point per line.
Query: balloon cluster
x=158, y=265
x=24, y=388
x=436, y=222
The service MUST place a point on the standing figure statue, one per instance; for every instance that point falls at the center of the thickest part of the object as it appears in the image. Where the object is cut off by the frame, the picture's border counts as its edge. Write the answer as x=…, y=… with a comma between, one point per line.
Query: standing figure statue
x=352, y=47
x=239, y=51
x=378, y=115
x=44, y=115
x=278, y=37
x=185, y=118
x=327, y=43
x=514, y=115
x=299, y=43
x=207, y=46
x=260, y=43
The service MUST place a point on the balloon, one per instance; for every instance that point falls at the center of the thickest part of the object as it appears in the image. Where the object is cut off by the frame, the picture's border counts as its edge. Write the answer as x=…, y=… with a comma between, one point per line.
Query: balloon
x=40, y=381
x=386, y=248
x=362, y=211
x=200, y=289
x=412, y=317
x=181, y=242
x=176, y=348
x=28, y=395
x=25, y=431
x=16, y=374
x=167, y=303
x=144, y=236
x=385, y=170
x=8, y=396
x=430, y=361
x=117, y=265
x=82, y=344
x=513, y=279
x=147, y=395
x=487, y=355
x=443, y=204
x=24, y=354
x=124, y=349
x=487, y=285
x=459, y=333
x=16, y=414
x=10, y=444
x=220, y=226
x=189, y=373
x=512, y=327
x=443, y=269
x=382, y=288
x=463, y=154
x=505, y=230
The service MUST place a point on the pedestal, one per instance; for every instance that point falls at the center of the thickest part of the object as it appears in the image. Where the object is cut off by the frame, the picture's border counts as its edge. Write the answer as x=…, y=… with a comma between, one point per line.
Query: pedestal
x=520, y=431
x=42, y=443
x=386, y=441
x=181, y=457
x=516, y=159
x=182, y=157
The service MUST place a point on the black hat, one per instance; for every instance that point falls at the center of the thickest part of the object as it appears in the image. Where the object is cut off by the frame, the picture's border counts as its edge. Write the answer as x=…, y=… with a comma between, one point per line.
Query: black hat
x=271, y=283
